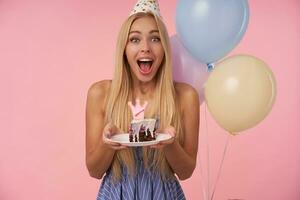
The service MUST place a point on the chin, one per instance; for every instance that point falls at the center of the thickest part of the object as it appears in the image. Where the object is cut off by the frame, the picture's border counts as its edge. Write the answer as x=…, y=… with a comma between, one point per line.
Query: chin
x=145, y=78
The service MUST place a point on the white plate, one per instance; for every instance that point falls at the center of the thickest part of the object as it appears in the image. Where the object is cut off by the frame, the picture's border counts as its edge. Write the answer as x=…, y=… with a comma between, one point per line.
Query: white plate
x=123, y=139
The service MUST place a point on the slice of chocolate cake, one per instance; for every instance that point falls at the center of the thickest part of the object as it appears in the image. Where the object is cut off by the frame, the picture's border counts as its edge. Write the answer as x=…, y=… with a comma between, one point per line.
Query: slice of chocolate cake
x=141, y=129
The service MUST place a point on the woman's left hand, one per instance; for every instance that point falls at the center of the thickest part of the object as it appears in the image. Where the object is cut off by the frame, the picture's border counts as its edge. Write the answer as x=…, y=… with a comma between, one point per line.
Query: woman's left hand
x=169, y=130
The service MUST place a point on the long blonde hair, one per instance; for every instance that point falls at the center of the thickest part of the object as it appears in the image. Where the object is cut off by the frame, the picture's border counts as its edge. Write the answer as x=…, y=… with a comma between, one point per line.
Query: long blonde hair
x=165, y=105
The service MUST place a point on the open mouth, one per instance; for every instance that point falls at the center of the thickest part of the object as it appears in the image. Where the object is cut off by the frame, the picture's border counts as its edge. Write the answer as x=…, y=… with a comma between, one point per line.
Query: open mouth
x=145, y=65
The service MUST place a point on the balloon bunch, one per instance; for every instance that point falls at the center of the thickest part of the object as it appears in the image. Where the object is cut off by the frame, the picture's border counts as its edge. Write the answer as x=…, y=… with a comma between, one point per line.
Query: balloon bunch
x=239, y=90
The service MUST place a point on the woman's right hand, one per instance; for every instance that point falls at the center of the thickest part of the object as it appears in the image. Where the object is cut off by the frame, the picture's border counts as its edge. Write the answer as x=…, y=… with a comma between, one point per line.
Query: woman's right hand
x=108, y=131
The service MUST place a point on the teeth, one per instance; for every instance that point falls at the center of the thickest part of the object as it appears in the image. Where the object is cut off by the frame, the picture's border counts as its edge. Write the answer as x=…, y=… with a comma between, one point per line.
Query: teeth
x=145, y=60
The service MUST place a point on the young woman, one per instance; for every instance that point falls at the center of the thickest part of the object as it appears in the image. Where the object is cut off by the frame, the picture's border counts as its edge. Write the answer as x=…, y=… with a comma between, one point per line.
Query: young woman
x=142, y=71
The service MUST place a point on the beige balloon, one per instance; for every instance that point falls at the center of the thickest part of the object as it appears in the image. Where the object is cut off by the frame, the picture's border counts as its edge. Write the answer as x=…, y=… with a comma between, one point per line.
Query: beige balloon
x=240, y=92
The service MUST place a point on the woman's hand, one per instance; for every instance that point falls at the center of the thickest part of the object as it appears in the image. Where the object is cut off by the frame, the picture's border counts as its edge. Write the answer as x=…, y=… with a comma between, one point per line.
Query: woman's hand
x=109, y=131
x=169, y=130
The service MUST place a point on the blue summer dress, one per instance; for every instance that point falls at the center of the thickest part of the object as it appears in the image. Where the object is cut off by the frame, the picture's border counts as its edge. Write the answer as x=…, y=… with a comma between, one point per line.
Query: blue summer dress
x=145, y=185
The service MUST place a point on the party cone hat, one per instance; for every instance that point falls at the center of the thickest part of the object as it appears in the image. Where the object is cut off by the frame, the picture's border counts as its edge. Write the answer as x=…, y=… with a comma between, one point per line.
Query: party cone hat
x=146, y=6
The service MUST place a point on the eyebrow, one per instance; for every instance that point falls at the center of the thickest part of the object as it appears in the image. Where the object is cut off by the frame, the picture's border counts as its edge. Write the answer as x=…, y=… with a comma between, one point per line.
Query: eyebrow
x=139, y=32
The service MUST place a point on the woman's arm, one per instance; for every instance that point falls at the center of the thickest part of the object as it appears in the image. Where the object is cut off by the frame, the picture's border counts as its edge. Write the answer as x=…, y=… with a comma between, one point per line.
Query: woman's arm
x=98, y=154
x=182, y=159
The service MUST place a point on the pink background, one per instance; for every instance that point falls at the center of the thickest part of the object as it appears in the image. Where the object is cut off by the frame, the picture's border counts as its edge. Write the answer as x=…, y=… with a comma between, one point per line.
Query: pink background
x=52, y=51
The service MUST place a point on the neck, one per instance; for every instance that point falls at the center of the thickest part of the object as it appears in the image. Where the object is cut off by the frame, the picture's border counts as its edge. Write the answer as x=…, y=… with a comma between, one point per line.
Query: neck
x=142, y=90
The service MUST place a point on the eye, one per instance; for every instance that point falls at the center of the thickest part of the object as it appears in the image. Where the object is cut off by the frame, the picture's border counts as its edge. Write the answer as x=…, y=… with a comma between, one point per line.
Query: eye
x=155, y=39
x=134, y=40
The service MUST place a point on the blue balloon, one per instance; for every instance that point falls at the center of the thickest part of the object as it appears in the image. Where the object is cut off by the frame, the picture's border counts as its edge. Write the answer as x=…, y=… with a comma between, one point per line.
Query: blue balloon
x=210, y=29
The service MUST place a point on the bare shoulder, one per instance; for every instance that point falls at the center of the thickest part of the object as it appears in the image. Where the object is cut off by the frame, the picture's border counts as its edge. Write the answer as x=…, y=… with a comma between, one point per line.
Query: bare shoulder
x=186, y=92
x=99, y=88
x=98, y=92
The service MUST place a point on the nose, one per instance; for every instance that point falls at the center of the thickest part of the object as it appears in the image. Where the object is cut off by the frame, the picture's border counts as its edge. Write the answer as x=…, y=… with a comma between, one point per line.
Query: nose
x=145, y=48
